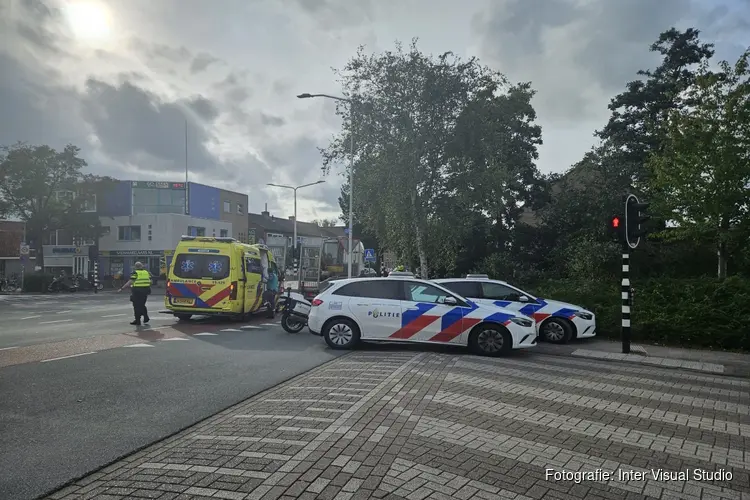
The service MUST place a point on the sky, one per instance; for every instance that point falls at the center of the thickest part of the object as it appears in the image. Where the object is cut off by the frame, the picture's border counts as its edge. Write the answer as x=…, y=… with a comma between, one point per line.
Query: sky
x=124, y=80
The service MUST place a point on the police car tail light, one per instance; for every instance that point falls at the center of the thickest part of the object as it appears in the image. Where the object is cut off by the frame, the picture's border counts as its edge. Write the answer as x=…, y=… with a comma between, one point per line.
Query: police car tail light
x=316, y=302
x=233, y=291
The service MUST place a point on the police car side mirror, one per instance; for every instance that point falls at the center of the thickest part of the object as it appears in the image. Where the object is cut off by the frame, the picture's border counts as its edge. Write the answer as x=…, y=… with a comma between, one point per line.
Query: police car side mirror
x=523, y=298
x=450, y=301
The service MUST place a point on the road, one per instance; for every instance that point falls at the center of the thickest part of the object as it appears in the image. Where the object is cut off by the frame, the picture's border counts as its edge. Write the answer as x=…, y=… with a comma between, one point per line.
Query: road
x=406, y=424
x=80, y=387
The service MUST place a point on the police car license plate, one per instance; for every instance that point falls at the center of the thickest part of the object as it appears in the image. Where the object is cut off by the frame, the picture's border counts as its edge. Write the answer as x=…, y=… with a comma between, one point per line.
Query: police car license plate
x=302, y=309
x=183, y=301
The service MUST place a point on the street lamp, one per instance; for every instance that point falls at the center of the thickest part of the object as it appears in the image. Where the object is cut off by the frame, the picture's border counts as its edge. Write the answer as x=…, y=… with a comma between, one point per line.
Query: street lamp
x=294, y=244
x=351, y=169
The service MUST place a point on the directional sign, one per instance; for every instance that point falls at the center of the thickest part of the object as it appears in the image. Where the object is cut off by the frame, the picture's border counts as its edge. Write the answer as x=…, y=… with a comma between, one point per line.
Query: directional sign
x=369, y=255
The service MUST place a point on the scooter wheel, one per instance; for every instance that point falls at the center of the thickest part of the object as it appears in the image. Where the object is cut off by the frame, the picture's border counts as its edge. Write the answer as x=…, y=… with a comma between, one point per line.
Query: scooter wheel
x=291, y=325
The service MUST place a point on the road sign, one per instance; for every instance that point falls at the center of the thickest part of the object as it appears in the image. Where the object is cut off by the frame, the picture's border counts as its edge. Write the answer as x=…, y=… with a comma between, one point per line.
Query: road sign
x=24, y=250
x=369, y=255
x=346, y=230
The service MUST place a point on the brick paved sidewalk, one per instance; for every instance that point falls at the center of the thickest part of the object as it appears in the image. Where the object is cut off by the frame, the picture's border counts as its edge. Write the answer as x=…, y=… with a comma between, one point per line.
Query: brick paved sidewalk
x=437, y=426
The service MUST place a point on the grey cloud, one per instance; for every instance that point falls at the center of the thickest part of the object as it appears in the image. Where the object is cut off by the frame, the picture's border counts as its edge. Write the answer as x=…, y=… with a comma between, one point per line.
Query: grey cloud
x=271, y=121
x=131, y=122
x=605, y=43
x=36, y=113
x=299, y=158
x=204, y=108
x=201, y=62
x=333, y=14
x=158, y=51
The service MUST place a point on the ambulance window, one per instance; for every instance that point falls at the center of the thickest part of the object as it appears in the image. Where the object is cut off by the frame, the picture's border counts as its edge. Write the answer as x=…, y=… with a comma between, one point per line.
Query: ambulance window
x=254, y=266
x=201, y=266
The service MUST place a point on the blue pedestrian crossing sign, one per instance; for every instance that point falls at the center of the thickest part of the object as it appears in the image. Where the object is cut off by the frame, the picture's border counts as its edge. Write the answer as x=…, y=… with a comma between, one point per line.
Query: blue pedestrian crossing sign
x=370, y=255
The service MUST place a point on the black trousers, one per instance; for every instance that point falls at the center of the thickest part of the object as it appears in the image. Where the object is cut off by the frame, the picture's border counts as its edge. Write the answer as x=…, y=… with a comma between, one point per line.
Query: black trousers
x=139, y=297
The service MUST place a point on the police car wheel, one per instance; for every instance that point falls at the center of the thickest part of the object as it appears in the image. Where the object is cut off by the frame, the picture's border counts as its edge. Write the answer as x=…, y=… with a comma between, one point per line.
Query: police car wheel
x=341, y=333
x=490, y=340
x=556, y=331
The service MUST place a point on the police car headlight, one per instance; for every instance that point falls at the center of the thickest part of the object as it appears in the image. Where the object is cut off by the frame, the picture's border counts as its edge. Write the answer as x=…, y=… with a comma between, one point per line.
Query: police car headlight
x=522, y=321
x=584, y=315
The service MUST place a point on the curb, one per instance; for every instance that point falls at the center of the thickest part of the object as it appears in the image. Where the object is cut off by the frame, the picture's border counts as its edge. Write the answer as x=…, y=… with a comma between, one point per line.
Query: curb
x=640, y=360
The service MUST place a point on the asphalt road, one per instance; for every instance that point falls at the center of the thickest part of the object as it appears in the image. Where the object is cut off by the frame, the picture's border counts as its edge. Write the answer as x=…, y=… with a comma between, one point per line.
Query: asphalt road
x=78, y=394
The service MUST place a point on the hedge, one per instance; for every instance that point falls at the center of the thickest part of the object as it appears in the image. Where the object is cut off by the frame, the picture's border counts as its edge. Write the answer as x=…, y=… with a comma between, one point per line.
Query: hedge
x=702, y=313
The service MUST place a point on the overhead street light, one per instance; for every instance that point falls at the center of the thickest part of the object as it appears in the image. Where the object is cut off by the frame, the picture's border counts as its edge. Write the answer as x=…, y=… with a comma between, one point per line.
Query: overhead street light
x=294, y=244
x=351, y=170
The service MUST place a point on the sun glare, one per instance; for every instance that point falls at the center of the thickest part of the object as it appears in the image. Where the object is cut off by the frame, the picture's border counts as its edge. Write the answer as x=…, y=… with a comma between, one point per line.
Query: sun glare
x=89, y=20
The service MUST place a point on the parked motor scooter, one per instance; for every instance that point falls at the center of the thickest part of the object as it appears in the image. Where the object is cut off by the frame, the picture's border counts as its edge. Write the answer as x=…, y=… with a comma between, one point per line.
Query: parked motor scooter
x=62, y=283
x=295, y=312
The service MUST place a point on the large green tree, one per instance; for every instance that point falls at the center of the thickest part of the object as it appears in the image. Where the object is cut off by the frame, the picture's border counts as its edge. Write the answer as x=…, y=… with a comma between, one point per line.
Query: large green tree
x=422, y=125
x=703, y=169
x=34, y=184
x=634, y=129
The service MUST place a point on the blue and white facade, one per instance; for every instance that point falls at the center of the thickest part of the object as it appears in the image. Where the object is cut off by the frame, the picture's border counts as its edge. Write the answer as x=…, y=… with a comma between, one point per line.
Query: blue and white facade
x=144, y=221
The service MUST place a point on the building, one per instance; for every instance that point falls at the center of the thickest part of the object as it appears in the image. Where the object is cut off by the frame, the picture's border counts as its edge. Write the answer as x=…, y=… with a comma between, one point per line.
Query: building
x=331, y=243
x=144, y=220
x=150, y=239
x=11, y=237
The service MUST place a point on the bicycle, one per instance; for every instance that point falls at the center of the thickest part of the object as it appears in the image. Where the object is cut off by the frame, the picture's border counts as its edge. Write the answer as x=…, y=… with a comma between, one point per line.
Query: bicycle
x=117, y=281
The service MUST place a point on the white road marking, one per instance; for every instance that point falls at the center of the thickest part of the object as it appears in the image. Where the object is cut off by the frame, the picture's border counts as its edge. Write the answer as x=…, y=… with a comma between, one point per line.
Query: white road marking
x=204, y=334
x=114, y=315
x=161, y=319
x=64, y=312
x=250, y=327
x=174, y=338
x=139, y=345
x=31, y=317
x=231, y=330
x=56, y=321
x=66, y=357
x=269, y=324
x=8, y=348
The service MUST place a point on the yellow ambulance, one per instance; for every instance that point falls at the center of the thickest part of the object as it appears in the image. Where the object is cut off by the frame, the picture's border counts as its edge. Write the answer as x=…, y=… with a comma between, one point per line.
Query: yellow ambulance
x=217, y=276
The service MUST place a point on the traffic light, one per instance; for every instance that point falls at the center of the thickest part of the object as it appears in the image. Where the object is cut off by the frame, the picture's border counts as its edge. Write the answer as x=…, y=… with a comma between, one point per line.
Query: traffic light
x=635, y=218
x=615, y=227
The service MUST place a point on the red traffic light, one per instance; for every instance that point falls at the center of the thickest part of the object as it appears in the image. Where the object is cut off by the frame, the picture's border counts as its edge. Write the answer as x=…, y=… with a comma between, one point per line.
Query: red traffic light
x=615, y=222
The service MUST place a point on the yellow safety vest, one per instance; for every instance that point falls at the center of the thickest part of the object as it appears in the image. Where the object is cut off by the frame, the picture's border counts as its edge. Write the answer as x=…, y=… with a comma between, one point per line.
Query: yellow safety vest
x=142, y=279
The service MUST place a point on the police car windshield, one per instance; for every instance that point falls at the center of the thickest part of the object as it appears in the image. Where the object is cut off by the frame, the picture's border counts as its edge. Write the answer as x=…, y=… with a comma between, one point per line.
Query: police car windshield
x=201, y=266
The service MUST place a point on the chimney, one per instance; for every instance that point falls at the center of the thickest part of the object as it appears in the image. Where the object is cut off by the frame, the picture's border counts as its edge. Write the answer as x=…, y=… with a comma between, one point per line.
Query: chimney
x=291, y=218
x=265, y=213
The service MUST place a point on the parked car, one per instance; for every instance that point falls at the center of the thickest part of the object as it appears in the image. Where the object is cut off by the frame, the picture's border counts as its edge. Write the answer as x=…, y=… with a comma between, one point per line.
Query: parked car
x=401, y=308
x=556, y=321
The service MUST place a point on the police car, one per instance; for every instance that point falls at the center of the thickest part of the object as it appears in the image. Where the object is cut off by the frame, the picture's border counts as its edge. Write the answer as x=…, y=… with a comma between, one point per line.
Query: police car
x=556, y=322
x=401, y=308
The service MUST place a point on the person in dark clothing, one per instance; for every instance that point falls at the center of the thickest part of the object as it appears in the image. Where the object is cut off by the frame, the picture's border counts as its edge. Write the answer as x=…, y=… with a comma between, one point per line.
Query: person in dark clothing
x=140, y=289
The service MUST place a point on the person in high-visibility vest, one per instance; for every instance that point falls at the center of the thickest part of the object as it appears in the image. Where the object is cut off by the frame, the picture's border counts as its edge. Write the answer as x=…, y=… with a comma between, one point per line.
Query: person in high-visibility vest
x=140, y=289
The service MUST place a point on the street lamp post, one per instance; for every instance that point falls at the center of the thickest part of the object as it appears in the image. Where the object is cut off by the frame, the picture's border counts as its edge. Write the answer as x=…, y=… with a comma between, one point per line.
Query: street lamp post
x=351, y=171
x=294, y=243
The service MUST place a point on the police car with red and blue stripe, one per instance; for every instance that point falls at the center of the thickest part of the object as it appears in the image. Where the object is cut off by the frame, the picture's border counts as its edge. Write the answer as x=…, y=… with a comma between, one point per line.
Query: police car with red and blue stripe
x=556, y=321
x=402, y=308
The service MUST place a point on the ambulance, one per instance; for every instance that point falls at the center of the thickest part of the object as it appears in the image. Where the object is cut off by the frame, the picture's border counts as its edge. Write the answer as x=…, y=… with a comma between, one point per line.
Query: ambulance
x=217, y=276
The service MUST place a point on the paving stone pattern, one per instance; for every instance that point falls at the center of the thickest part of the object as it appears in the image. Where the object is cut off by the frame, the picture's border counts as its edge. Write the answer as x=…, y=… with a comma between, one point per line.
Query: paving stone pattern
x=431, y=426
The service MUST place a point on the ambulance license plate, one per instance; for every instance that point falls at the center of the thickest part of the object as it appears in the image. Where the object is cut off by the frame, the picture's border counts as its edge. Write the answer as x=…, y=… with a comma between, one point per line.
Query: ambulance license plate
x=178, y=301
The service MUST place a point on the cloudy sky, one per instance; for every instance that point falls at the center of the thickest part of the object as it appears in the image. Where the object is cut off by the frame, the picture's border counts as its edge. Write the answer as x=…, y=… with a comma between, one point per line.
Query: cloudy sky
x=120, y=78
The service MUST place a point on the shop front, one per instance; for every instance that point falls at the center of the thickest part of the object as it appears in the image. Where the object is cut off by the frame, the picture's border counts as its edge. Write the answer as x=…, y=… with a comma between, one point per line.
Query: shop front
x=69, y=258
x=120, y=263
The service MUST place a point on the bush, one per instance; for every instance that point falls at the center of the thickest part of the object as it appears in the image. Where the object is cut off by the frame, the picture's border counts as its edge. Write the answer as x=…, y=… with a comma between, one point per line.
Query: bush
x=681, y=312
x=37, y=282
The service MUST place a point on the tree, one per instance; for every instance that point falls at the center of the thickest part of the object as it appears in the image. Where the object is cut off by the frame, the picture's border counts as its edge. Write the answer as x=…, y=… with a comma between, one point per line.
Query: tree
x=703, y=169
x=634, y=128
x=407, y=111
x=46, y=189
x=325, y=222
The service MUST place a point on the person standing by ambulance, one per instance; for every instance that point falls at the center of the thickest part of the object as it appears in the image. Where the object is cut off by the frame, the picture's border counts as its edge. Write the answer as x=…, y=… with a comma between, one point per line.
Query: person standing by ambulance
x=140, y=289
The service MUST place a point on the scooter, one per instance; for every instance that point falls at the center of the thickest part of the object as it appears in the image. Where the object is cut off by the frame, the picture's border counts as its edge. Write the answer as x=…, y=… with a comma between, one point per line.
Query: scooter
x=295, y=312
x=62, y=283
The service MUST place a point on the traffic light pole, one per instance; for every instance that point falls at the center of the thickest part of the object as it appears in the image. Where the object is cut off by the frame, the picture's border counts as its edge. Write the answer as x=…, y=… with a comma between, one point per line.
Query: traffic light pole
x=625, y=293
